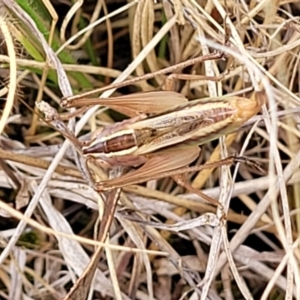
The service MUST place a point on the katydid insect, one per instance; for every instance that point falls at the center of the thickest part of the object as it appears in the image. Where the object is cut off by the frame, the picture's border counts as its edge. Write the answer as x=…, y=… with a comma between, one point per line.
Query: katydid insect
x=163, y=134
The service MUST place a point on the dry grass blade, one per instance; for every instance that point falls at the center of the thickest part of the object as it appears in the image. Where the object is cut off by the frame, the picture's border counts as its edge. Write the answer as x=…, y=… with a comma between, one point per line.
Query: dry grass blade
x=12, y=71
x=82, y=287
x=246, y=248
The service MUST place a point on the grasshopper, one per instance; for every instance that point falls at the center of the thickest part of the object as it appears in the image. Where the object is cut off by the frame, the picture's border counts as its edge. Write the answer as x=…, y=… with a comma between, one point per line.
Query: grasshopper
x=163, y=133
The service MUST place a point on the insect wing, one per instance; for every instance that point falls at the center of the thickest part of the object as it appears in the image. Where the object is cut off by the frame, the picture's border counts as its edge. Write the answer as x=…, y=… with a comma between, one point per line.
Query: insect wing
x=157, y=166
x=171, y=137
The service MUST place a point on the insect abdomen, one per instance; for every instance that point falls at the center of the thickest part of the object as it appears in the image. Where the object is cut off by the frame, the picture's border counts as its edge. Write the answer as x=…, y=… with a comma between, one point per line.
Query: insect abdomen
x=121, y=143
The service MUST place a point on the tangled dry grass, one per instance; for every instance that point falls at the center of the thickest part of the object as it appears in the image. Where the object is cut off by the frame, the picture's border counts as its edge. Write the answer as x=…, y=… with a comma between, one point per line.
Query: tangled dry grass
x=159, y=242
